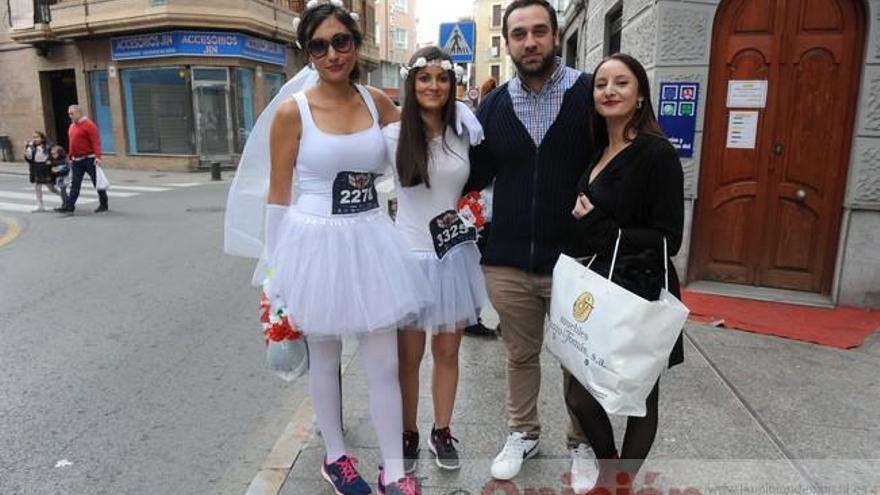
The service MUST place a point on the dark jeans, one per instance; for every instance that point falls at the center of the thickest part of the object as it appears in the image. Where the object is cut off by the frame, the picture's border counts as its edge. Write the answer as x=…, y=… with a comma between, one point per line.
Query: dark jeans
x=80, y=168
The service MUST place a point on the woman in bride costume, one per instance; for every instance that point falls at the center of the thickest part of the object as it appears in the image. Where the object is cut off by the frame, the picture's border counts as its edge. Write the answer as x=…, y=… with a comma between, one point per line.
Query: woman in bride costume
x=431, y=166
x=340, y=267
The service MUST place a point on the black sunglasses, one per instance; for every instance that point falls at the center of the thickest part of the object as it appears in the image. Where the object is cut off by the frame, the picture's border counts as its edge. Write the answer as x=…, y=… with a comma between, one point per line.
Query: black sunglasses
x=341, y=43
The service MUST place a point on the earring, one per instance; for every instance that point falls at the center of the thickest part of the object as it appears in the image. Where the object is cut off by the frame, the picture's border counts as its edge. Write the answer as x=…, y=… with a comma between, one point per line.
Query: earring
x=639, y=104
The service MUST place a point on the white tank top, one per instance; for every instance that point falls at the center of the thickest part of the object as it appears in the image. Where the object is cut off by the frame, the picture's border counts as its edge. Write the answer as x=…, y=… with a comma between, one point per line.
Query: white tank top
x=448, y=170
x=323, y=155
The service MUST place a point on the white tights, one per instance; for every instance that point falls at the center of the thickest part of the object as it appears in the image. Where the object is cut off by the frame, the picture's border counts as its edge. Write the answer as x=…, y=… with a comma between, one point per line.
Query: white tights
x=378, y=352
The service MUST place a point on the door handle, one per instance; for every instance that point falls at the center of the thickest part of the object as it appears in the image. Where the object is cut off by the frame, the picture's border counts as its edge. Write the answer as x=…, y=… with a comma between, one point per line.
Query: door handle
x=777, y=149
x=800, y=196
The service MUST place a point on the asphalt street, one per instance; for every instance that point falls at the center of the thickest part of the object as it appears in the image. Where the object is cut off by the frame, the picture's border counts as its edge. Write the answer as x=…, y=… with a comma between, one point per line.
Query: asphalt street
x=130, y=350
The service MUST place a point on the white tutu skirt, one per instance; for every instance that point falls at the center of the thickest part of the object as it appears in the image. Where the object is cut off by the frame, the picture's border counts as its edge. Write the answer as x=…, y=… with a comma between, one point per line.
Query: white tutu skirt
x=459, y=290
x=347, y=275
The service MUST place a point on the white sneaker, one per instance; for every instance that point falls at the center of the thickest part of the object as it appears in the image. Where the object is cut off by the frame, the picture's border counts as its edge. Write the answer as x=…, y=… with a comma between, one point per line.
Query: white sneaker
x=584, y=468
x=39, y=209
x=517, y=449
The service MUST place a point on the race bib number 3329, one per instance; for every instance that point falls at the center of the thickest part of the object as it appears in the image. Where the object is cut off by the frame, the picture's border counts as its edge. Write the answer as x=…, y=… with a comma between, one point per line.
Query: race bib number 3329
x=449, y=230
x=354, y=192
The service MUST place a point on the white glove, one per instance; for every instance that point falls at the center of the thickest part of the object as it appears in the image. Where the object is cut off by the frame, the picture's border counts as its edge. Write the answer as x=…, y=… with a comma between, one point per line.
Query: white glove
x=466, y=120
x=274, y=216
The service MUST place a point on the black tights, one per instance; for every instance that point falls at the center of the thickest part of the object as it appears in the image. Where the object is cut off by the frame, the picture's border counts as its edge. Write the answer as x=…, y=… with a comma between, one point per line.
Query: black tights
x=640, y=432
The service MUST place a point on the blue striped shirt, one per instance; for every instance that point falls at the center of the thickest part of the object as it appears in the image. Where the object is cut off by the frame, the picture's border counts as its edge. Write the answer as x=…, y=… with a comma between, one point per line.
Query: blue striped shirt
x=538, y=111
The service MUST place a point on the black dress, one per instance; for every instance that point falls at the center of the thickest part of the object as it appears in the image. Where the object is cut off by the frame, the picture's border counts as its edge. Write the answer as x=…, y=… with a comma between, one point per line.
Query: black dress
x=640, y=192
x=40, y=171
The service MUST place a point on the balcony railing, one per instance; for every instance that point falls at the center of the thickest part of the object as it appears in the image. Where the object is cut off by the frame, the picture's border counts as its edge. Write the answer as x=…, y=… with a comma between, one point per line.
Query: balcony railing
x=59, y=20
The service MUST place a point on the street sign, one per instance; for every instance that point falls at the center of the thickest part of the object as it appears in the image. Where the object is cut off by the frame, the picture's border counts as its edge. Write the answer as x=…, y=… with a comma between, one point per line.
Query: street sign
x=457, y=39
x=678, y=115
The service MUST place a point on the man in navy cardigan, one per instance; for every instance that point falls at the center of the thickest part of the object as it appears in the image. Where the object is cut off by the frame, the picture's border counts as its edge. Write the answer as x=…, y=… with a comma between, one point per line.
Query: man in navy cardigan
x=538, y=143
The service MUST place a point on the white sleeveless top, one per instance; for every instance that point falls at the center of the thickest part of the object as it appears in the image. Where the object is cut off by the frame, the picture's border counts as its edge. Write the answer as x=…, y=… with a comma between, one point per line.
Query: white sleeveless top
x=323, y=155
x=448, y=170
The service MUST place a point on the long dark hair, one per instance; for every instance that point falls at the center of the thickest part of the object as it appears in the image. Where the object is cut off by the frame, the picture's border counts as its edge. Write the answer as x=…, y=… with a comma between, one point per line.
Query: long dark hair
x=412, y=149
x=42, y=137
x=643, y=121
x=313, y=17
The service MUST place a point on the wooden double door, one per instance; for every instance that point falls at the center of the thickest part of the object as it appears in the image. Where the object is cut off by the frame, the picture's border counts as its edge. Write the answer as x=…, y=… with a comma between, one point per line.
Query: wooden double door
x=770, y=215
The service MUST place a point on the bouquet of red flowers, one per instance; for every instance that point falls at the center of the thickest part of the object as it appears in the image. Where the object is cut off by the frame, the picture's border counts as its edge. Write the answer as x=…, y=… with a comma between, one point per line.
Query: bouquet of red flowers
x=286, y=351
x=471, y=208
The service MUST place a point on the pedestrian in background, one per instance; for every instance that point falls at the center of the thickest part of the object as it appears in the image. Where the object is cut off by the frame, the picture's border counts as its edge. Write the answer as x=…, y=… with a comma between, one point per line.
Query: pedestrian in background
x=85, y=155
x=535, y=151
x=431, y=165
x=487, y=87
x=60, y=168
x=634, y=188
x=36, y=154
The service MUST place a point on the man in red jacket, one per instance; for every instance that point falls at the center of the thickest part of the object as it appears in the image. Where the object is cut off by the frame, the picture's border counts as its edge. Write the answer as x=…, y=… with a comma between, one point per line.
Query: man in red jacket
x=85, y=154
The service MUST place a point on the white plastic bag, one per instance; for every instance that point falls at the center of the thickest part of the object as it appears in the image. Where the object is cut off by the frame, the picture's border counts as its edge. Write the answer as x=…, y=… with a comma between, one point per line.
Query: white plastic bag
x=287, y=353
x=101, y=182
x=614, y=342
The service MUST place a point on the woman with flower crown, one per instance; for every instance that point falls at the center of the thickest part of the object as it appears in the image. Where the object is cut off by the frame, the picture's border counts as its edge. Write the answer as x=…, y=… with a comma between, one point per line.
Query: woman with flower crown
x=340, y=266
x=431, y=166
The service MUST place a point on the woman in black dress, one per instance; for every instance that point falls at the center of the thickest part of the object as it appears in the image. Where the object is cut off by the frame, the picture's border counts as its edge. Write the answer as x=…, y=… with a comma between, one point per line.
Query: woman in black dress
x=633, y=186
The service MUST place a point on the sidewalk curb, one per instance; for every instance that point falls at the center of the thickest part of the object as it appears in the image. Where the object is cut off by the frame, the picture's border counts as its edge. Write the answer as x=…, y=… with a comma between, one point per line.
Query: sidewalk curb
x=282, y=458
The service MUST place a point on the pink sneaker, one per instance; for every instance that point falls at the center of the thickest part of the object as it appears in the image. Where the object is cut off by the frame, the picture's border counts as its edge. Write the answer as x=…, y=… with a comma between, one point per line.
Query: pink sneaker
x=408, y=485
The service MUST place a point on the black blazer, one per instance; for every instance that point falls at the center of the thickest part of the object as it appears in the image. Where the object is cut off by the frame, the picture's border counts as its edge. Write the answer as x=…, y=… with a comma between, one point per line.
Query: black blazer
x=641, y=193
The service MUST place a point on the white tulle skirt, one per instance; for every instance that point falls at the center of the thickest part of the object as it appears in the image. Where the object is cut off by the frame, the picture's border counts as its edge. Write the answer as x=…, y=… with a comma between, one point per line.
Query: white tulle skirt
x=347, y=275
x=458, y=286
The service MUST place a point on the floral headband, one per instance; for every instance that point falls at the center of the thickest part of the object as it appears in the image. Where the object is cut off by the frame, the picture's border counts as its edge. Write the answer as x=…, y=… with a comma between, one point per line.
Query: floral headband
x=422, y=62
x=311, y=4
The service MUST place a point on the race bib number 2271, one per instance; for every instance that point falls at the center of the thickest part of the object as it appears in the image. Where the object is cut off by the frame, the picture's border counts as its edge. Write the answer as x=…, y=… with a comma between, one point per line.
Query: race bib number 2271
x=354, y=192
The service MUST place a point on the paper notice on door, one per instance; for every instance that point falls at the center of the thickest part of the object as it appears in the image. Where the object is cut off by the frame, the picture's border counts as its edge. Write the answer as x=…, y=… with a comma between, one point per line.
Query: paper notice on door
x=742, y=130
x=747, y=94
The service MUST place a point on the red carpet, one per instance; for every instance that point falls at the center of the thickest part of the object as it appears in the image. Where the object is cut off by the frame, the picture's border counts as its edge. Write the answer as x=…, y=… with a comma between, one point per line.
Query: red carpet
x=841, y=327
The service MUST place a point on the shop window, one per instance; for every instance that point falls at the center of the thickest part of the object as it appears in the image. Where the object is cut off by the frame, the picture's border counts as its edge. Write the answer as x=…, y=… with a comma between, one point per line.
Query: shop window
x=158, y=111
x=274, y=81
x=100, y=105
x=243, y=90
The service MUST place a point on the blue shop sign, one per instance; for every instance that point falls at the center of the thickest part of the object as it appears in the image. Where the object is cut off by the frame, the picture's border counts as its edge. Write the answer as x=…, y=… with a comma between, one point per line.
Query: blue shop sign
x=197, y=43
x=678, y=114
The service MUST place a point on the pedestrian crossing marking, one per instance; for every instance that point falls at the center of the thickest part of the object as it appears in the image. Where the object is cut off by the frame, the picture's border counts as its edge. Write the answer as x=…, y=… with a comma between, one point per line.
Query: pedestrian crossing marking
x=22, y=202
x=92, y=192
x=114, y=187
x=16, y=207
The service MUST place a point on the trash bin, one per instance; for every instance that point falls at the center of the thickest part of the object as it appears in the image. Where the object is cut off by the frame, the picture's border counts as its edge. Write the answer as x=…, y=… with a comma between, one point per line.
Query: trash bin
x=6, y=149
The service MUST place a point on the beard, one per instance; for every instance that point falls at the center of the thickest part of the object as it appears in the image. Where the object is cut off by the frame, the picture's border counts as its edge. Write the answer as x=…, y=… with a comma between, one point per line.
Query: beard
x=544, y=68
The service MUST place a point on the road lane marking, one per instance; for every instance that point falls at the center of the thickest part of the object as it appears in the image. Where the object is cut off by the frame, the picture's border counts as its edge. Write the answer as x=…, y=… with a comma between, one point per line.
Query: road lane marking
x=13, y=229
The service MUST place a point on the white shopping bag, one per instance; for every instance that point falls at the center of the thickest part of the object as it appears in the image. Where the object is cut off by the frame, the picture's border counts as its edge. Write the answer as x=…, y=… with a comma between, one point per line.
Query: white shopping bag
x=614, y=342
x=101, y=182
